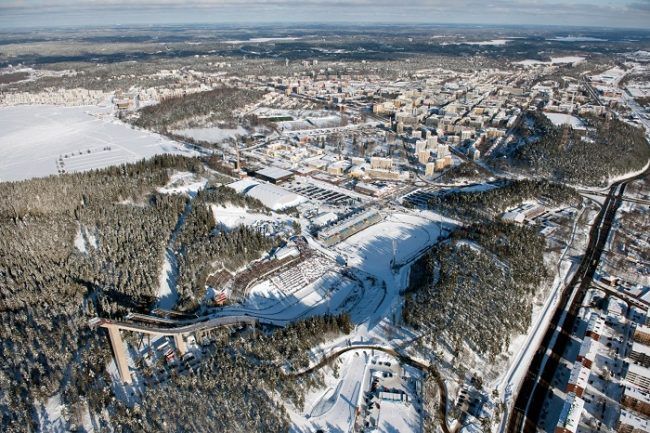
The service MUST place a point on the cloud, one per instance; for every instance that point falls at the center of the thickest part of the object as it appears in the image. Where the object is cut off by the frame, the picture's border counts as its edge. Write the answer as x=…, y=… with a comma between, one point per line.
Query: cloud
x=643, y=5
x=623, y=13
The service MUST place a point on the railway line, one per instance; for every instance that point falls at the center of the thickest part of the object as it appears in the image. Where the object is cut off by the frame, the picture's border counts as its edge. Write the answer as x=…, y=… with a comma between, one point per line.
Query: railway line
x=530, y=396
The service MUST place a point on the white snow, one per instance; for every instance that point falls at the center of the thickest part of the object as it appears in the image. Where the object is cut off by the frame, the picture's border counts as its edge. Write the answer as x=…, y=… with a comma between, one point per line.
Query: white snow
x=554, y=61
x=261, y=40
x=50, y=415
x=560, y=119
x=183, y=182
x=566, y=59
x=230, y=216
x=34, y=139
x=84, y=238
x=576, y=39
x=397, y=416
x=167, y=293
x=372, y=248
x=212, y=134
x=493, y=42
x=79, y=241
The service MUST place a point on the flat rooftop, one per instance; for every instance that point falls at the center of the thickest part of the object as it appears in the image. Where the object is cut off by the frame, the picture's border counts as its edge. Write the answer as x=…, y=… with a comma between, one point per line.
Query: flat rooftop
x=274, y=173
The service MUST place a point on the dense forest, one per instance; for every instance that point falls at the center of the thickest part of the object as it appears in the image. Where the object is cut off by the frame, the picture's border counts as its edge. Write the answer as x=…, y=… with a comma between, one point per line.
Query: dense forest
x=196, y=109
x=607, y=149
x=76, y=246
x=230, y=390
x=199, y=245
x=477, y=287
x=486, y=204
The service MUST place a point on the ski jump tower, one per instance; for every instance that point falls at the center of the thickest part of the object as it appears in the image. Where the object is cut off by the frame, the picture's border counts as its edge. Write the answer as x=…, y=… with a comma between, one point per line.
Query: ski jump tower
x=114, y=329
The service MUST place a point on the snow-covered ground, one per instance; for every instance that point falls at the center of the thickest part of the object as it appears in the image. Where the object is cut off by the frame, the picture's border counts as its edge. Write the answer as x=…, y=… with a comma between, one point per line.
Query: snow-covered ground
x=334, y=407
x=576, y=39
x=84, y=239
x=167, y=280
x=183, y=182
x=39, y=140
x=554, y=61
x=230, y=216
x=371, y=250
x=261, y=40
x=212, y=134
x=493, y=42
x=559, y=119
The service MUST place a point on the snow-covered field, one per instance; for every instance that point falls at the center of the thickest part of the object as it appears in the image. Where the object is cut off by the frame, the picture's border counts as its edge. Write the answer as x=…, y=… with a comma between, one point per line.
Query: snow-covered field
x=229, y=217
x=576, y=39
x=372, y=249
x=559, y=119
x=261, y=40
x=493, y=42
x=184, y=183
x=554, y=61
x=212, y=134
x=38, y=140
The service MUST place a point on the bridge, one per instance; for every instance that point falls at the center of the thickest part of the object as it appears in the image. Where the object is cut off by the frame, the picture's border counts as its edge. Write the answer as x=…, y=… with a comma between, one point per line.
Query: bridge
x=161, y=326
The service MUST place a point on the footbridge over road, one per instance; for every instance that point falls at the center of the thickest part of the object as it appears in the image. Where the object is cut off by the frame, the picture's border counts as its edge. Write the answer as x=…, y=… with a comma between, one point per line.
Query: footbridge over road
x=159, y=326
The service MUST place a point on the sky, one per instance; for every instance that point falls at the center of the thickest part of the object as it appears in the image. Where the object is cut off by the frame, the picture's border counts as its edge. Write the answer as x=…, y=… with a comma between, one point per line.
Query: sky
x=54, y=13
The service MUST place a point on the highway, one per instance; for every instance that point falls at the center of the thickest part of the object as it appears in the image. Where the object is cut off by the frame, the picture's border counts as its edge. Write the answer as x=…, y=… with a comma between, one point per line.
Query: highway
x=529, y=399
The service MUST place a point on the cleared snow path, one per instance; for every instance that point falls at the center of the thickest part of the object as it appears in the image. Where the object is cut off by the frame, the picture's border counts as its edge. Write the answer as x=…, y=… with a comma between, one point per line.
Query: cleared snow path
x=168, y=279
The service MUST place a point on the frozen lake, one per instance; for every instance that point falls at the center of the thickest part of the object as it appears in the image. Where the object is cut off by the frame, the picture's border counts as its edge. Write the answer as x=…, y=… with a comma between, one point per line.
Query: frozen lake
x=39, y=140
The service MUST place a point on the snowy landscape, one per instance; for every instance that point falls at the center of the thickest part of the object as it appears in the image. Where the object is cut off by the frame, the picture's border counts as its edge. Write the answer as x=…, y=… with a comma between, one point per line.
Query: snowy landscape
x=413, y=228
x=38, y=141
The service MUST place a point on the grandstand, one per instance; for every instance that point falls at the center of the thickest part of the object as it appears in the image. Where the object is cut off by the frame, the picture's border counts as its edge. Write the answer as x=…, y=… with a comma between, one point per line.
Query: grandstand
x=347, y=227
x=296, y=277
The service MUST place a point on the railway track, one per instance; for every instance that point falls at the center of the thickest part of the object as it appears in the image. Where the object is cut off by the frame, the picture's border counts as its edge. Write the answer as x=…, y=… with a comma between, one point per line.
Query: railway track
x=532, y=392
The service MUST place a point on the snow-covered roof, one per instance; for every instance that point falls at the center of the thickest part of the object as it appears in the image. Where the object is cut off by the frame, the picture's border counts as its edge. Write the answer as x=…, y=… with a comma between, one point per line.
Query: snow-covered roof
x=637, y=393
x=632, y=419
x=274, y=173
x=271, y=196
x=571, y=413
x=579, y=375
x=241, y=186
x=596, y=324
x=588, y=348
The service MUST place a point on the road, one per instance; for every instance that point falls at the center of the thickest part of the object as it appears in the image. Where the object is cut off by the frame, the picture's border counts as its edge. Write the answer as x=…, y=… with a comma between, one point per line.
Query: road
x=531, y=395
x=591, y=91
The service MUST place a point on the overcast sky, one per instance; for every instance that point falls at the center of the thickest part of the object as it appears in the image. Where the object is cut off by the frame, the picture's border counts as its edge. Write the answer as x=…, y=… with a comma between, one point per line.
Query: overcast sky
x=602, y=13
